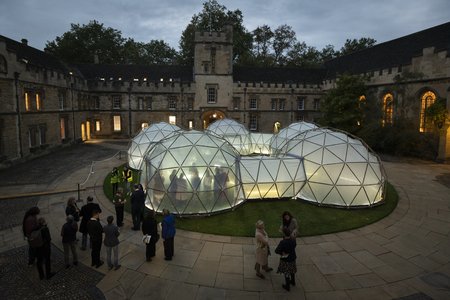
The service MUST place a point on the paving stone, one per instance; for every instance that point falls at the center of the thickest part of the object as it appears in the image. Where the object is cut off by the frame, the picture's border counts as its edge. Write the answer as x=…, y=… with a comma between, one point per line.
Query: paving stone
x=425, y=263
x=232, y=250
x=151, y=288
x=399, y=289
x=367, y=259
x=20, y=281
x=184, y=258
x=183, y=291
x=329, y=295
x=348, y=263
x=130, y=281
x=176, y=273
x=312, y=279
x=327, y=265
x=257, y=284
x=230, y=281
x=375, y=293
x=210, y=293
x=211, y=251
x=342, y=281
x=238, y=295
x=330, y=246
x=231, y=264
x=369, y=280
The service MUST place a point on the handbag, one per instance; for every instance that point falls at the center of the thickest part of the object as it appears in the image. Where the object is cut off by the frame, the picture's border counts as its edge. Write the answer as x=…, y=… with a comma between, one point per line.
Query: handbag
x=146, y=238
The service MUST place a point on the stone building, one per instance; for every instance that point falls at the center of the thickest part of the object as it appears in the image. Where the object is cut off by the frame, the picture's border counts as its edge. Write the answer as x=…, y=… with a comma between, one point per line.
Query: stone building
x=45, y=103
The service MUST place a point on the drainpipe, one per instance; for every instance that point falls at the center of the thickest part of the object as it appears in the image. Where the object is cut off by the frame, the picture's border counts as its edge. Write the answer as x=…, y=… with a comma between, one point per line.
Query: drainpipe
x=19, y=115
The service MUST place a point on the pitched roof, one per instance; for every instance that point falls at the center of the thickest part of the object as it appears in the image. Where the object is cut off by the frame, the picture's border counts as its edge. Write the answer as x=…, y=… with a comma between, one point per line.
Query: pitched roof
x=392, y=53
x=32, y=55
x=278, y=75
x=130, y=72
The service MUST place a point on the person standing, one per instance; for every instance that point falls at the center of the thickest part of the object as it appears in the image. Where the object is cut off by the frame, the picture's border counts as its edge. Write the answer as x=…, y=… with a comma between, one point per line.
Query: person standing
x=168, y=234
x=29, y=224
x=289, y=222
x=72, y=209
x=137, y=206
x=262, y=249
x=95, y=230
x=115, y=179
x=69, y=239
x=127, y=175
x=287, y=266
x=119, y=204
x=150, y=227
x=111, y=243
x=43, y=253
x=86, y=213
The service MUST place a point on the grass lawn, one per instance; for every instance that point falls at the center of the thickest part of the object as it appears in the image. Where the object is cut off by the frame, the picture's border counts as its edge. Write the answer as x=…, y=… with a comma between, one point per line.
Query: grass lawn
x=313, y=220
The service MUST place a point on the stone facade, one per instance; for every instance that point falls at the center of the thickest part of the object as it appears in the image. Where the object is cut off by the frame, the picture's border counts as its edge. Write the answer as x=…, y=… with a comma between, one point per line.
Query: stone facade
x=45, y=103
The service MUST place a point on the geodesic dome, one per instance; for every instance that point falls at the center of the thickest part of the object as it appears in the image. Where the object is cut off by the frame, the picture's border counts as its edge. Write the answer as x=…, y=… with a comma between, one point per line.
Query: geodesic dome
x=192, y=172
x=235, y=133
x=340, y=170
x=286, y=134
x=147, y=137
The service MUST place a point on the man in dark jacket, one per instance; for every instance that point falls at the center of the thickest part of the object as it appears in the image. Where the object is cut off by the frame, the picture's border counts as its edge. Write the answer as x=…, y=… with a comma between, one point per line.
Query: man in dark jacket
x=95, y=230
x=137, y=206
x=86, y=213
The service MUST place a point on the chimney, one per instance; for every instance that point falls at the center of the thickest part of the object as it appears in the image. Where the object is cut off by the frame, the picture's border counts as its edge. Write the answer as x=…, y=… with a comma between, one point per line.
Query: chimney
x=25, y=42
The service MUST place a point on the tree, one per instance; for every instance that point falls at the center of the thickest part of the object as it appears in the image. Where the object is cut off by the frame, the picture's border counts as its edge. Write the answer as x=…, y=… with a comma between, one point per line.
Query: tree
x=328, y=53
x=302, y=55
x=283, y=40
x=214, y=17
x=342, y=107
x=262, y=44
x=354, y=45
x=82, y=43
x=438, y=112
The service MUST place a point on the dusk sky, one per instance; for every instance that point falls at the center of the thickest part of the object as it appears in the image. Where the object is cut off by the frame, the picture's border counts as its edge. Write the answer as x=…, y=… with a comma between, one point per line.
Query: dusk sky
x=318, y=23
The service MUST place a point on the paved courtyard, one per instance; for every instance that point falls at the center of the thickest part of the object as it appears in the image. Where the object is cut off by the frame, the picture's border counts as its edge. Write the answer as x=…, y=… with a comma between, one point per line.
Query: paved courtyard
x=404, y=256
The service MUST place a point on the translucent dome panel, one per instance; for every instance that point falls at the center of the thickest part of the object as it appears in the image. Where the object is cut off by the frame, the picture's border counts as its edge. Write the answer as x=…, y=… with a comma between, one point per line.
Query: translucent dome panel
x=144, y=140
x=235, y=133
x=340, y=170
x=192, y=173
x=261, y=142
x=279, y=140
x=269, y=177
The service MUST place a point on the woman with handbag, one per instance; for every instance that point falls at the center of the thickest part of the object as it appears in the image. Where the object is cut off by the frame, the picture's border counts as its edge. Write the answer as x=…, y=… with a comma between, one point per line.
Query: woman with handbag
x=287, y=266
x=150, y=228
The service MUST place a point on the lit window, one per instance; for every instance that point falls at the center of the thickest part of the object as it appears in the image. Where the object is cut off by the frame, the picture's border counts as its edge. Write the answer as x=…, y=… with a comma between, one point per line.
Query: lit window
x=144, y=125
x=301, y=103
x=276, y=127
x=253, y=103
x=38, y=102
x=212, y=94
x=116, y=102
x=388, y=109
x=117, y=125
x=427, y=99
x=27, y=102
x=97, y=125
x=191, y=124
x=173, y=120
x=62, y=128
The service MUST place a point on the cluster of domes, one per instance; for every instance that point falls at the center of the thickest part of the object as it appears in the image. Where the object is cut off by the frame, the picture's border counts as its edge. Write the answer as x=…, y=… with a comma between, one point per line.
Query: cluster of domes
x=193, y=172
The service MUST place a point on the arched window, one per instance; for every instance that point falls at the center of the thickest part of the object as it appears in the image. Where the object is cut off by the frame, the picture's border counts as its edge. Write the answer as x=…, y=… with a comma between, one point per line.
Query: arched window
x=276, y=127
x=388, y=109
x=427, y=99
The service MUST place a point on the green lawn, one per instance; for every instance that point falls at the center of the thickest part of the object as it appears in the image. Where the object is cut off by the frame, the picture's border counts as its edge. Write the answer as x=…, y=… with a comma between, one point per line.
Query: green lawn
x=313, y=220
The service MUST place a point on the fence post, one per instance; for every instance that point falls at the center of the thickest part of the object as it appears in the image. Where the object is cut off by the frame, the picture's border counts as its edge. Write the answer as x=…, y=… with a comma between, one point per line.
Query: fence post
x=78, y=190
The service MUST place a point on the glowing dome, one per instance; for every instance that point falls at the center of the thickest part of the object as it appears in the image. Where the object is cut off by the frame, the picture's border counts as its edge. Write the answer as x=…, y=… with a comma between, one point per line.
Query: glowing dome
x=235, y=133
x=192, y=172
x=147, y=137
x=279, y=140
x=340, y=170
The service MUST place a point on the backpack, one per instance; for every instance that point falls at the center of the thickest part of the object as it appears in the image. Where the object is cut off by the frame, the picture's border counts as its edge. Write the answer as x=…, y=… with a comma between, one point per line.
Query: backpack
x=35, y=239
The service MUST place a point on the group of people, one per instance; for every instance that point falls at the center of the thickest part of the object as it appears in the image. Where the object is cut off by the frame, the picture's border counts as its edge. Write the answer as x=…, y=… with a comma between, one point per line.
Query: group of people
x=286, y=249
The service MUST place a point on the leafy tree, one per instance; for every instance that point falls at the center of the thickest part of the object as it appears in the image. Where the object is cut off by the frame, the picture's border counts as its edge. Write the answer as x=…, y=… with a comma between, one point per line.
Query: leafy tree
x=353, y=45
x=283, y=40
x=302, y=55
x=328, y=53
x=214, y=17
x=342, y=107
x=83, y=42
x=262, y=44
x=438, y=112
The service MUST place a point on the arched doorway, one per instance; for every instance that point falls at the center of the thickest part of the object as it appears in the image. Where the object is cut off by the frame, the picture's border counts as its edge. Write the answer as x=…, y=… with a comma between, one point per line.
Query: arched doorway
x=211, y=116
